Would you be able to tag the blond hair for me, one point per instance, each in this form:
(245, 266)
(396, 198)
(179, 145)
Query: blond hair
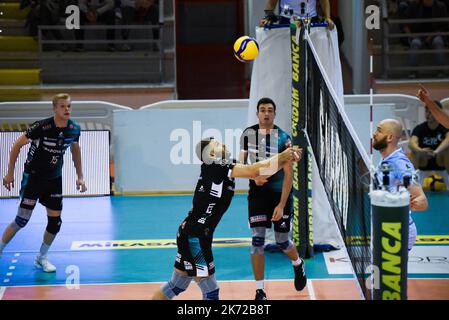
(60, 96)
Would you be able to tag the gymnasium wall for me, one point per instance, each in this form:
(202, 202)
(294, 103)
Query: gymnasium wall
(154, 147)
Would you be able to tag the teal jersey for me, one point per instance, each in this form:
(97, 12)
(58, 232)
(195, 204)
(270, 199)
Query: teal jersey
(260, 146)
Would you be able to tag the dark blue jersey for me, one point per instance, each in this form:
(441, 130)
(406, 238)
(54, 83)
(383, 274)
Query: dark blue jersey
(49, 143)
(259, 147)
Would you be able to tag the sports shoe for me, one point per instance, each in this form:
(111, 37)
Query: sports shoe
(260, 295)
(42, 262)
(300, 276)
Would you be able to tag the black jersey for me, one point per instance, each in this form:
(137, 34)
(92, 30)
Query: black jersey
(428, 138)
(213, 195)
(49, 143)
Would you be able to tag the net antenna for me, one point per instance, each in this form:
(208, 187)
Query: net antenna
(371, 103)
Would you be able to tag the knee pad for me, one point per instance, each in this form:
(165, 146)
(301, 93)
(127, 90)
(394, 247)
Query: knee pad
(258, 240)
(54, 225)
(177, 284)
(283, 241)
(22, 218)
(209, 287)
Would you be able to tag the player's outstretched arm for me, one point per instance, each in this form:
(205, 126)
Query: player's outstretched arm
(439, 115)
(267, 167)
(8, 180)
(76, 157)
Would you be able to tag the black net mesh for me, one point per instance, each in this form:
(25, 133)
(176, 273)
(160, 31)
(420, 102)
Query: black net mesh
(342, 169)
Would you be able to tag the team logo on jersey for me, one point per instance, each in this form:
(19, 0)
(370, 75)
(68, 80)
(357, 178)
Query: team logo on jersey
(201, 189)
(188, 265)
(216, 189)
(202, 220)
(283, 225)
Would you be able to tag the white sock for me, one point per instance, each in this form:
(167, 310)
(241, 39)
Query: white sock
(259, 284)
(2, 246)
(296, 262)
(44, 249)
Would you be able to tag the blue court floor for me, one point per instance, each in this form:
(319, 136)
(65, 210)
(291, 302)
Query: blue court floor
(130, 239)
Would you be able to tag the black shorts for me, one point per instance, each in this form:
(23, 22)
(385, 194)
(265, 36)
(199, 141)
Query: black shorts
(432, 165)
(49, 192)
(194, 255)
(261, 208)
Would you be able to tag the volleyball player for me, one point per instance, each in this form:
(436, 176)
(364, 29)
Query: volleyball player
(269, 200)
(42, 177)
(213, 194)
(385, 139)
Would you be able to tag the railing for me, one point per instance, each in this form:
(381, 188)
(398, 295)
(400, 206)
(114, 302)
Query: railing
(386, 52)
(407, 109)
(146, 42)
(91, 115)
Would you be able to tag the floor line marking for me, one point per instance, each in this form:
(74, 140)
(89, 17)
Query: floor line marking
(2, 292)
(311, 290)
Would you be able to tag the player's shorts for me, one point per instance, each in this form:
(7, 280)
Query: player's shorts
(49, 192)
(261, 208)
(194, 255)
(432, 165)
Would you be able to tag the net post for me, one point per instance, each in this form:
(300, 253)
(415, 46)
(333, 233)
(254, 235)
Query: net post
(302, 171)
(390, 231)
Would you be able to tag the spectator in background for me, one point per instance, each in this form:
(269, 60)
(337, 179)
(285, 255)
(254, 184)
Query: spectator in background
(425, 9)
(32, 20)
(46, 13)
(93, 12)
(139, 12)
(301, 9)
(50, 13)
(429, 144)
(437, 113)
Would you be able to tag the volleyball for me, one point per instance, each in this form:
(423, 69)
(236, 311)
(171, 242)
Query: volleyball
(434, 182)
(246, 49)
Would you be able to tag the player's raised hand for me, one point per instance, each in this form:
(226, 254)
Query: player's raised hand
(8, 181)
(423, 94)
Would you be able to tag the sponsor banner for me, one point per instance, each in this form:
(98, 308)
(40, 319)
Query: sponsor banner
(422, 260)
(429, 259)
(150, 244)
(424, 239)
